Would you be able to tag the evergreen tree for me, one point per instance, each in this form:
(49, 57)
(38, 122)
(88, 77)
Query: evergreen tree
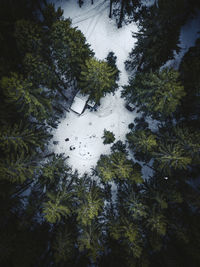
(172, 157)
(69, 49)
(90, 241)
(157, 223)
(22, 137)
(124, 10)
(29, 100)
(117, 166)
(157, 94)
(90, 206)
(189, 75)
(142, 141)
(154, 47)
(97, 78)
(17, 169)
(63, 246)
(108, 137)
(56, 207)
(111, 59)
(28, 37)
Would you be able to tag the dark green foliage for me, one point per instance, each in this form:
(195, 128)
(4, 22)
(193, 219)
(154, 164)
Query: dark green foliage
(50, 216)
(55, 207)
(97, 78)
(158, 36)
(69, 48)
(23, 138)
(111, 59)
(119, 146)
(28, 100)
(108, 137)
(157, 94)
(189, 75)
(125, 11)
(118, 167)
(17, 169)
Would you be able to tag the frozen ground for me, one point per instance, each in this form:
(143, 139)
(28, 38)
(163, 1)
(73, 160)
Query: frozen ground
(189, 34)
(85, 132)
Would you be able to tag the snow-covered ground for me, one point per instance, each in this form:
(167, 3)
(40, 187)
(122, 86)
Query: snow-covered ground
(188, 36)
(85, 132)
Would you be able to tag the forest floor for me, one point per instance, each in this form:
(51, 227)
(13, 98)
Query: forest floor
(85, 132)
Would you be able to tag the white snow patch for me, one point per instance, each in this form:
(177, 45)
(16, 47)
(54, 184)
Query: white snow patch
(85, 132)
(188, 36)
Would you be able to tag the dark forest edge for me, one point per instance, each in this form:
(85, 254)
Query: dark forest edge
(50, 216)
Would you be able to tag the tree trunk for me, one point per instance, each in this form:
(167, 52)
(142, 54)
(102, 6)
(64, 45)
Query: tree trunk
(121, 14)
(80, 3)
(110, 14)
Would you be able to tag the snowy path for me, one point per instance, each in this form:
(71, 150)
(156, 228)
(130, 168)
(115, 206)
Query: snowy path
(85, 131)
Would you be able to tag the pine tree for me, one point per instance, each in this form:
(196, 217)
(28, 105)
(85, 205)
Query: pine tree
(157, 223)
(188, 139)
(56, 207)
(56, 175)
(108, 137)
(124, 10)
(39, 72)
(22, 137)
(117, 166)
(28, 36)
(17, 169)
(158, 94)
(154, 47)
(63, 245)
(189, 75)
(111, 59)
(29, 100)
(51, 15)
(90, 241)
(97, 78)
(90, 206)
(172, 157)
(69, 49)
(142, 141)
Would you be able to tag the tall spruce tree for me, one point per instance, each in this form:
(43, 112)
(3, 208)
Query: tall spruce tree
(157, 94)
(29, 100)
(117, 166)
(97, 78)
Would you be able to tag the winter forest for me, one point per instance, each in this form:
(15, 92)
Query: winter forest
(99, 133)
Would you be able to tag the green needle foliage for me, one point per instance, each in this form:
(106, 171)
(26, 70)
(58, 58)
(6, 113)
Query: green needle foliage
(97, 78)
(21, 137)
(17, 169)
(142, 141)
(157, 94)
(69, 48)
(28, 36)
(157, 223)
(91, 205)
(117, 166)
(108, 137)
(172, 157)
(29, 100)
(90, 241)
(56, 207)
(63, 245)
